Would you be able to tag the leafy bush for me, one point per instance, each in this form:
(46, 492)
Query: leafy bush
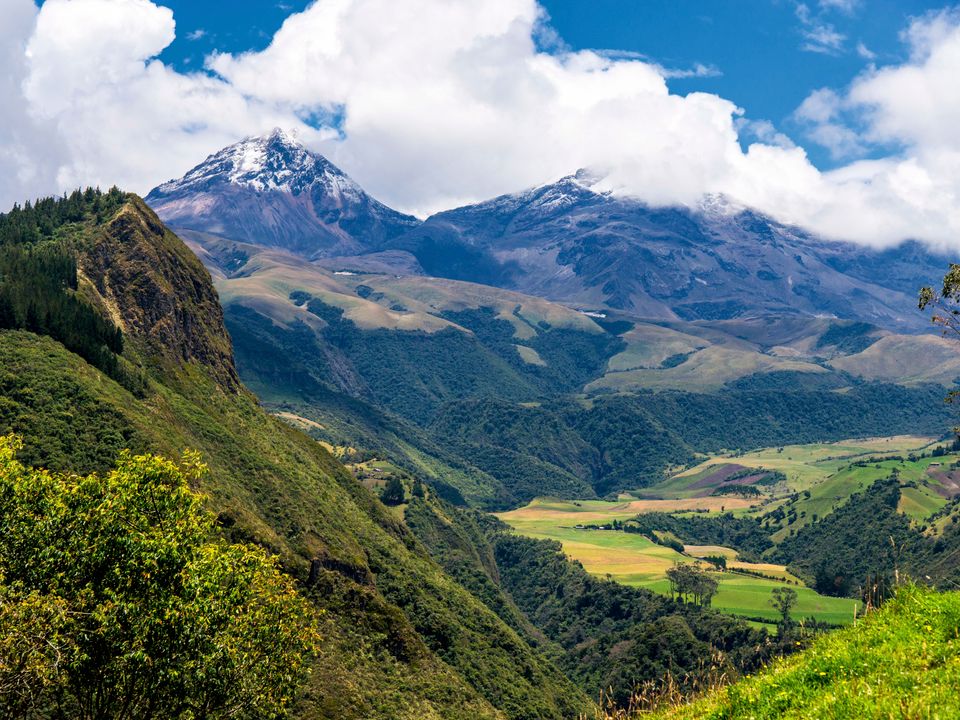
(120, 601)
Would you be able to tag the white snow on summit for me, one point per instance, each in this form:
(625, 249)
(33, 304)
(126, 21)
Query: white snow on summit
(275, 161)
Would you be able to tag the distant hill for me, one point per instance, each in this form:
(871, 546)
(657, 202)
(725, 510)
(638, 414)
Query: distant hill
(505, 396)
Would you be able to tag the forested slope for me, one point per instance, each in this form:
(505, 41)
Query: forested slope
(402, 638)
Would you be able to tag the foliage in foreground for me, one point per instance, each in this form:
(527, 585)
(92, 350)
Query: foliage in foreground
(117, 600)
(902, 661)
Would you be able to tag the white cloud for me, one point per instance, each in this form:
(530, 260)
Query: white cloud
(865, 52)
(763, 131)
(449, 101)
(823, 115)
(29, 149)
(699, 70)
(819, 36)
(845, 6)
(122, 116)
(917, 103)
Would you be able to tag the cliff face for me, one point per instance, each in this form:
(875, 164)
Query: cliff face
(159, 293)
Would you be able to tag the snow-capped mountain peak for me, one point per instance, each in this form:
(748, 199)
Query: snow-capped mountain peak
(272, 190)
(274, 161)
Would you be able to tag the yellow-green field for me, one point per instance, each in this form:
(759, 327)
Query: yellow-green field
(818, 478)
(634, 560)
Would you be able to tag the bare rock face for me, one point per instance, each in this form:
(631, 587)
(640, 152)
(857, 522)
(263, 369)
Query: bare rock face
(159, 293)
(272, 191)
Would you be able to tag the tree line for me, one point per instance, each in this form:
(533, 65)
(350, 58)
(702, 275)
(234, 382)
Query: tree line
(38, 276)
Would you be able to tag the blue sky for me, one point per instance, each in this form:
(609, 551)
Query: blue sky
(757, 53)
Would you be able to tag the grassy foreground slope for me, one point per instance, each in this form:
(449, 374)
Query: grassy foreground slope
(902, 661)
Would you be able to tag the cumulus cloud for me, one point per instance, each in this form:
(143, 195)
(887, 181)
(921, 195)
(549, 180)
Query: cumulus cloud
(90, 79)
(29, 149)
(823, 115)
(432, 103)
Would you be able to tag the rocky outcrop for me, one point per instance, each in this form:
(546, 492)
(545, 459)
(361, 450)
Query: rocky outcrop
(159, 293)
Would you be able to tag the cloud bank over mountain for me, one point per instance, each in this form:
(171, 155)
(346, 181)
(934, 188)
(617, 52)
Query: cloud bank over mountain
(434, 103)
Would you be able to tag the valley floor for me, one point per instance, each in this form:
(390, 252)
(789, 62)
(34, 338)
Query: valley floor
(634, 560)
(806, 481)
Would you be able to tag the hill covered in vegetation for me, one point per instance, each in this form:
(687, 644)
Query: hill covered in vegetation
(401, 637)
(899, 661)
(506, 396)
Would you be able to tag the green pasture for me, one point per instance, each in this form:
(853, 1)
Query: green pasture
(634, 560)
(804, 465)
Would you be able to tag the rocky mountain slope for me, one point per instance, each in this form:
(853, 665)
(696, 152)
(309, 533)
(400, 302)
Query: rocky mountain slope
(273, 191)
(571, 243)
(567, 241)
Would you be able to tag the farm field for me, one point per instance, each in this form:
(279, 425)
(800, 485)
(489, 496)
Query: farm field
(803, 465)
(805, 482)
(811, 481)
(634, 560)
(922, 493)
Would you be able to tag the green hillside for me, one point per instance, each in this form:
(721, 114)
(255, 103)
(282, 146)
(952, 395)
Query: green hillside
(902, 661)
(112, 337)
(402, 639)
(505, 396)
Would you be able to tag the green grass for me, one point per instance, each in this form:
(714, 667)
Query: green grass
(823, 475)
(918, 503)
(804, 465)
(902, 661)
(634, 560)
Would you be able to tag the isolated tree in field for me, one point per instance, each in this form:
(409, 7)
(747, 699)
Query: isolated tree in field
(783, 600)
(393, 493)
(690, 583)
(118, 600)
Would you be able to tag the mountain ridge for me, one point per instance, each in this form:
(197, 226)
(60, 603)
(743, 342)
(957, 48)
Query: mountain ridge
(402, 639)
(569, 241)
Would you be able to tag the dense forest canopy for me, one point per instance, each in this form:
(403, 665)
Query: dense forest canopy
(118, 599)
